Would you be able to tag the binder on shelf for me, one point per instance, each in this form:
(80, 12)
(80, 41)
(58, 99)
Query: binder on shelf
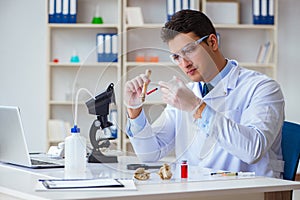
(51, 11)
(73, 11)
(185, 4)
(62, 11)
(58, 11)
(100, 47)
(270, 14)
(263, 11)
(177, 5)
(65, 11)
(107, 47)
(263, 14)
(256, 11)
(114, 44)
(170, 9)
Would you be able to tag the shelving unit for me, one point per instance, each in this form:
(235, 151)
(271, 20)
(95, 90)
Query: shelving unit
(235, 38)
(238, 41)
(234, 44)
(65, 78)
(144, 40)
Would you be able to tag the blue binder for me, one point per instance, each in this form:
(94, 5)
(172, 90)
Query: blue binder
(170, 9)
(65, 11)
(73, 11)
(51, 11)
(263, 11)
(100, 47)
(114, 47)
(256, 11)
(270, 13)
(58, 11)
(177, 5)
(107, 47)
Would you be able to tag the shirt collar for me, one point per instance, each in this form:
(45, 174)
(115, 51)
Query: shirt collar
(230, 64)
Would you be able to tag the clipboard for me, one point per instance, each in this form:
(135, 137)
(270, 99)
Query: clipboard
(80, 183)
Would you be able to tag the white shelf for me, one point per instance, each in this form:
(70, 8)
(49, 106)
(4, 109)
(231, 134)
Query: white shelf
(150, 63)
(245, 26)
(83, 26)
(144, 26)
(102, 64)
(226, 26)
(65, 103)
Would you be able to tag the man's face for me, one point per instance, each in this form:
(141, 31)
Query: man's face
(192, 58)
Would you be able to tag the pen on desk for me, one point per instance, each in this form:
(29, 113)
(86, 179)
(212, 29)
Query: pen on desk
(219, 173)
(151, 91)
(233, 173)
(143, 94)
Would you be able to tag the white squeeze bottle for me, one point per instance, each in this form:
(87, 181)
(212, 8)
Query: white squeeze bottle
(75, 154)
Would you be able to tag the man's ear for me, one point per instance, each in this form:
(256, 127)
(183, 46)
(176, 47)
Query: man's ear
(213, 41)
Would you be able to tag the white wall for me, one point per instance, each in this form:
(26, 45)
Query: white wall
(23, 65)
(289, 69)
(23, 62)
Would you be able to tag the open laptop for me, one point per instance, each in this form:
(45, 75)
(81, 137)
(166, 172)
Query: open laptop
(13, 146)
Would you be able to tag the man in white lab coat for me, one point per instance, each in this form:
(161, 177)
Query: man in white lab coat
(234, 127)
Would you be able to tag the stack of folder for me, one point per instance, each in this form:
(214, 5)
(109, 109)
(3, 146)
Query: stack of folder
(62, 11)
(263, 11)
(107, 47)
(177, 5)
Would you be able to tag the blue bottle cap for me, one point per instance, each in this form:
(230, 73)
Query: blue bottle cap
(75, 129)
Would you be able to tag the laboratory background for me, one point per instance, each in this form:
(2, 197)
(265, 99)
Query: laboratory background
(24, 79)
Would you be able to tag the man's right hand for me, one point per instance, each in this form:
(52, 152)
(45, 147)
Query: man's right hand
(132, 93)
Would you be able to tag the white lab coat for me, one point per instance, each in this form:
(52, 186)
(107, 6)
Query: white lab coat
(240, 129)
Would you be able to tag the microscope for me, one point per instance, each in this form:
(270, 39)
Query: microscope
(99, 106)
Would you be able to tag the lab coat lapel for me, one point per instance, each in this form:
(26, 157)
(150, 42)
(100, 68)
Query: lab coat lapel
(225, 85)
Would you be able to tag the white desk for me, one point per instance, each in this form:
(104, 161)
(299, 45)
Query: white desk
(19, 183)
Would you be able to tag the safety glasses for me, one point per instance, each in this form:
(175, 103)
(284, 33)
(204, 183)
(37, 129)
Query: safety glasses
(187, 51)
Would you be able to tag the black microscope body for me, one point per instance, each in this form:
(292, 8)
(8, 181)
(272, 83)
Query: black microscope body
(99, 106)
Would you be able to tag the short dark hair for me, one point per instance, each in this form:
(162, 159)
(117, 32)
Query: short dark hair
(186, 21)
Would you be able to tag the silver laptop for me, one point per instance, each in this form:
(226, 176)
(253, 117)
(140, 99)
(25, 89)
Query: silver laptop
(13, 146)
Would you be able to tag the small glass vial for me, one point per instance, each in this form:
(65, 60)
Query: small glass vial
(184, 170)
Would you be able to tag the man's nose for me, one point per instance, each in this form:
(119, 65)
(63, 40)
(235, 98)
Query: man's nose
(185, 62)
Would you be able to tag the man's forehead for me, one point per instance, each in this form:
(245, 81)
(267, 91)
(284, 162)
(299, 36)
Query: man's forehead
(181, 40)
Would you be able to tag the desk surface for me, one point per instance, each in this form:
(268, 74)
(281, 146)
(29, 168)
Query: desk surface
(19, 183)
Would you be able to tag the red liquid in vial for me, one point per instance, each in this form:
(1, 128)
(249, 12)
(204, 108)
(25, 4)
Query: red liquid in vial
(184, 169)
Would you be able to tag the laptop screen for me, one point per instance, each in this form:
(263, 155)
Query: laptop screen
(13, 147)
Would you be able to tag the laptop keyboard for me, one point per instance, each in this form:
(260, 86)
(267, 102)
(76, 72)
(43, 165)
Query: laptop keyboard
(38, 162)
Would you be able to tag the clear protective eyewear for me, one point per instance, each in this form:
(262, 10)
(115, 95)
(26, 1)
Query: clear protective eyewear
(187, 51)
